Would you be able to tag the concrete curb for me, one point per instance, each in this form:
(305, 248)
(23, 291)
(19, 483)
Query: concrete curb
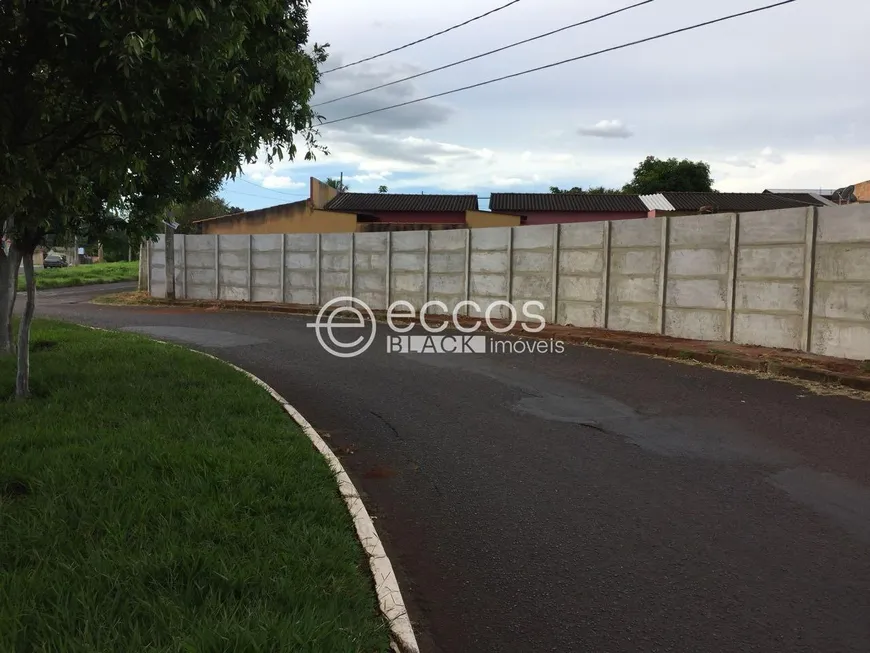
(390, 599)
(725, 360)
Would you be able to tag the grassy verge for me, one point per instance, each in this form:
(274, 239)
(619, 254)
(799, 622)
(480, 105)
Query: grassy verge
(83, 275)
(153, 499)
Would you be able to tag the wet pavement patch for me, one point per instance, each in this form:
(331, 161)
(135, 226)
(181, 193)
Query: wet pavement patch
(844, 501)
(193, 336)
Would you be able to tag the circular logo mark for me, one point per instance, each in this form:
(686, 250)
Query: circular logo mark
(344, 308)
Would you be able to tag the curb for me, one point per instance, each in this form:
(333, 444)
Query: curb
(389, 595)
(725, 360)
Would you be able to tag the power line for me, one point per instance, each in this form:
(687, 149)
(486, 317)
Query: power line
(486, 54)
(431, 36)
(238, 192)
(273, 190)
(558, 63)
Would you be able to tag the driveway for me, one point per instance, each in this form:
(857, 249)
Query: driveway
(586, 501)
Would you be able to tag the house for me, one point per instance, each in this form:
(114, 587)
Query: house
(328, 211)
(847, 195)
(303, 216)
(695, 203)
(820, 197)
(550, 208)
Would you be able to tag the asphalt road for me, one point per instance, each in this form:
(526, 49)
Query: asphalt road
(585, 501)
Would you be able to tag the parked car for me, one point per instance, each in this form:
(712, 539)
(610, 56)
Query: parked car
(54, 261)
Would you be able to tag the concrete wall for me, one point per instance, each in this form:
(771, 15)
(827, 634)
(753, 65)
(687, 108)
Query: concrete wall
(793, 278)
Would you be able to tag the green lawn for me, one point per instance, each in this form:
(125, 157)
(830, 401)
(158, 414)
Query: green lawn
(155, 500)
(82, 275)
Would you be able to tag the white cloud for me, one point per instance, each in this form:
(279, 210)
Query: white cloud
(606, 129)
(276, 181)
(690, 96)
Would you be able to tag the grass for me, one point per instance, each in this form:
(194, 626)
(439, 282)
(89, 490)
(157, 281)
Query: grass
(155, 500)
(83, 275)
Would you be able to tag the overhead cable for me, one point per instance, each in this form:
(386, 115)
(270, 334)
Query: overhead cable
(559, 63)
(418, 41)
(485, 54)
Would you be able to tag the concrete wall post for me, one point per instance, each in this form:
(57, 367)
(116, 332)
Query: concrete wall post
(467, 271)
(605, 274)
(731, 290)
(663, 272)
(510, 266)
(554, 290)
(426, 247)
(809, 277)
(282, 276)
(169, 262)
(317, 266)
(389, 266)
(183, 266)
(217, 266)
(350, 264)
(250, 267)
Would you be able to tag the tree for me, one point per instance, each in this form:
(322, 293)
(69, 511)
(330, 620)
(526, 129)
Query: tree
(137, 105)
(383, 189)
(654, 175)
(212, 206)
(558, 191)
(601, 190)
(337, 184)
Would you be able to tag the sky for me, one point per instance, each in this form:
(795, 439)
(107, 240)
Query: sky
(776, 99)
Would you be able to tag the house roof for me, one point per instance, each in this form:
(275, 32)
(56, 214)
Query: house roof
(726, 202)
(581, 202)
(809, 199)
(362, 202)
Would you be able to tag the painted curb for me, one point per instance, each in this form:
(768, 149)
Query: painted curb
(389, 595)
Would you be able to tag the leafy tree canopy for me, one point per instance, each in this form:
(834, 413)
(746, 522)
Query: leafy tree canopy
(338, 185)
(558, 191)
(654, 175)
(111, 109)
(383, 189)
(212, 206)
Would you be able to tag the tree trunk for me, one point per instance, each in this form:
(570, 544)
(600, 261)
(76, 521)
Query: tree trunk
(9, 264)
(22, 382)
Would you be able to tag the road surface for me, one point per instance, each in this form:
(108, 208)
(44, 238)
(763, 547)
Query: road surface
(586, 501)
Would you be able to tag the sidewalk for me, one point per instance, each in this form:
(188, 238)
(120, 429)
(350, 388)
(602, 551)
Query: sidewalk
(780, 362)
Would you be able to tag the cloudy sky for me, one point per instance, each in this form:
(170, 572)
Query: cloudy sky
(772, 100)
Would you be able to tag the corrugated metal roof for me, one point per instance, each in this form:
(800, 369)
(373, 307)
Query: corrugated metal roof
(580, 202)
(361, 202)
(657, 202)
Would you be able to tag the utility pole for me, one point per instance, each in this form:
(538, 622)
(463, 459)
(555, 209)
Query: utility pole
(341, 182)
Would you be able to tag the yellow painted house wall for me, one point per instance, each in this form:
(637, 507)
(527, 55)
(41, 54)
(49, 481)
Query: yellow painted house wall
(481, 219)
(295, 218)
(862, 191)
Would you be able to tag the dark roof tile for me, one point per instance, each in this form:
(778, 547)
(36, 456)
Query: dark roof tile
(580, 202)
(726, 202)
(362, 202)
(802, 198)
